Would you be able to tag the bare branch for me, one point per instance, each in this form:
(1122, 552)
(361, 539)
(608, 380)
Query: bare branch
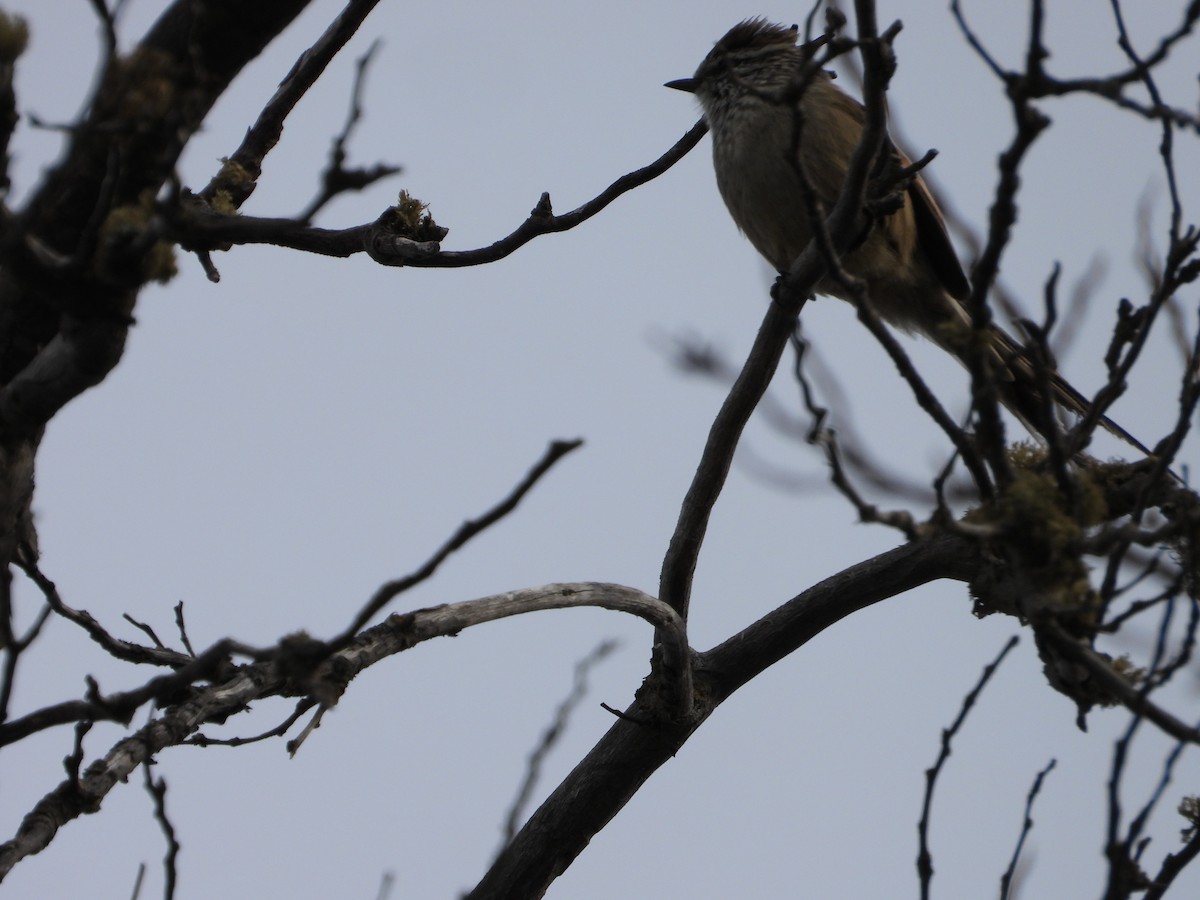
(157, 789)
(18, 39)
(68, 244)
(119, 707)
(336, 178)
(195, 225)
(146, 629)
(159, 655)
(203, 740)
(239, 175)
(182, 626)
(675, 581)
(1111, 682)
(108, 26)
(1173, 864)
(551, 735)
(392, 589)
(643, 738)
(963, 443)
(399, 632)
(12, 648)
(313, 724)
(1006, 880)
(814, 376)
(924, 857)
(826, 438)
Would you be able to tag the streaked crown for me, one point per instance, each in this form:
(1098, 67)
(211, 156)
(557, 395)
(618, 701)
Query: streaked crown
(754, 52)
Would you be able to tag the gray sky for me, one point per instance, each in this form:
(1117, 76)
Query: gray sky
(273, 447)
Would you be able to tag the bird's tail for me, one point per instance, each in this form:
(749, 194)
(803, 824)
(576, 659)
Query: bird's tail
(1020, 387)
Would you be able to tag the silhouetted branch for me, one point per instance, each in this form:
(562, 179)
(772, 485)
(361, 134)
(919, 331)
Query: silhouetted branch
(924, 857)
(826, 438)
(277, 675)
(1111, 682)
(1174, 863)
(195, 225)
(159, 655)
(157, 789)
(119, 707)
(644, 738)
(12, 650)
(1006, 879)
(239, 174)
(675, 581)
(469, 529)
(336, 178)
(302, 706)
(551, 735)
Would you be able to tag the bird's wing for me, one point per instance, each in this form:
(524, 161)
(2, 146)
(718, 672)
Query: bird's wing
(933, 239)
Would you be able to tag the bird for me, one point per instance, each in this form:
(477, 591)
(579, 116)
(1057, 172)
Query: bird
(914, 279)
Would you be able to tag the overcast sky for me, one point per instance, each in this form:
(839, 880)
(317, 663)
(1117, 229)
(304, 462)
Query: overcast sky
(273, 447)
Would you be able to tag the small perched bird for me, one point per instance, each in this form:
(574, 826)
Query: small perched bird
(913, 277)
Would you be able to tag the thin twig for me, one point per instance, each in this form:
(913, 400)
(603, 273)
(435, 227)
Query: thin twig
(1172, 865)
(1006, 879)
(182, 626)
(84, 792)
(550, 737)
(146, 629)
(469, 529)
(12, 654)
(200, 739)
(157, 789)
(118, 707)
(313, 724)
(966, 447)
(827, 440)
(924, 857)
(336, 178)
(108, 28)
(123, 650)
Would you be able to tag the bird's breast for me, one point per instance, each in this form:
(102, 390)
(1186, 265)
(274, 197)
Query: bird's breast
(758, 181)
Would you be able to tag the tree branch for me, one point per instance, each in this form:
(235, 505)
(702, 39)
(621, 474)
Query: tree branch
(392, 589)
(643, 739)
(278, 676)
(239, 174)
(194, 225)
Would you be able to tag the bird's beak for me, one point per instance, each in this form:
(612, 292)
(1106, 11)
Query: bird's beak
(682, 84)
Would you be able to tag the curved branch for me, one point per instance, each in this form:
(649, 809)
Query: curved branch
(197, 226)
(280, 677)
(642, 739)
(675, 580)
(542, 220)
(400, 631)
